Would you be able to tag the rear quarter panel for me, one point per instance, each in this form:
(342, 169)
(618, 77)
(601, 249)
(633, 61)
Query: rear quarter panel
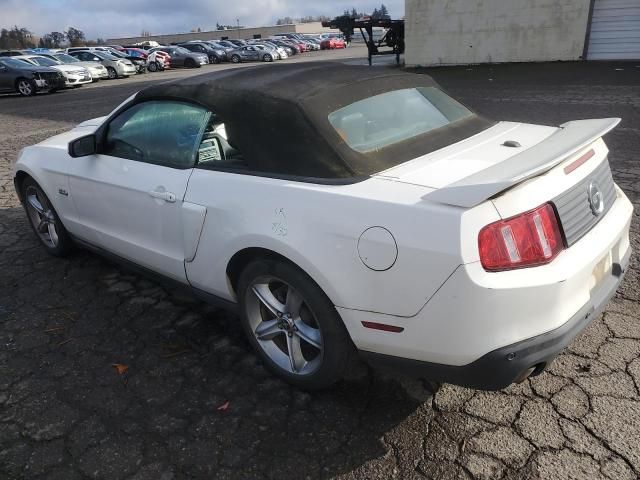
(318, 226)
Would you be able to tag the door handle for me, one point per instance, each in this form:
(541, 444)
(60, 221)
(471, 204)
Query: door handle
(166, 196)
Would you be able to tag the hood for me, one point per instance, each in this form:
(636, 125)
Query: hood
(94, 122)
(90, 65)
(68, 68)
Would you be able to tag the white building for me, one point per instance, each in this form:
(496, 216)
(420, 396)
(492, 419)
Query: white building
(480, 31)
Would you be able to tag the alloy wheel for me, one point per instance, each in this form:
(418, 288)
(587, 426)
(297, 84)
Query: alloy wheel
(41, 216)
(112, 73)
(25, 88)
(284, 326)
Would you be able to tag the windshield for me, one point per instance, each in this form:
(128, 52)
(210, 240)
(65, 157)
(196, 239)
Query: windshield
(389, 118)
(64, 58)
(11, 62)
(117, 54)
(44, 61)
(181, 51)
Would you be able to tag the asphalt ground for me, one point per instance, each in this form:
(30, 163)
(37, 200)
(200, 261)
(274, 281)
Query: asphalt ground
(188, 398)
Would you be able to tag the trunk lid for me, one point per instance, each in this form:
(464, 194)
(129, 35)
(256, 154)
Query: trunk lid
(469, 172)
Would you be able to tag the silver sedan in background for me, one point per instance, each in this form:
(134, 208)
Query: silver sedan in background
(97, 70)
(116, 67)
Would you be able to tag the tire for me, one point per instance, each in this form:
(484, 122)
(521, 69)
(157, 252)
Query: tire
(26, 87)
(267, 58)
(189, 63)
(44, 220)
(54, 90)
(308, 324)
(112, 73)
(152, 67)
(215, 60)
(236, 58)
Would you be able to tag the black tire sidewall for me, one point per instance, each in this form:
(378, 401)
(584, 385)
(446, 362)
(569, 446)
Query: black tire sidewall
(337, 346)
(65, 244)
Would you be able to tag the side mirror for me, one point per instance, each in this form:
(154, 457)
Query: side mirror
(83, 146)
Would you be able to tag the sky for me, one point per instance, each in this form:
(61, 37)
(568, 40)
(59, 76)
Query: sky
(121, 18)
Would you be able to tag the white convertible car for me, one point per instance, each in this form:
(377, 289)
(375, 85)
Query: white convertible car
(342, 209)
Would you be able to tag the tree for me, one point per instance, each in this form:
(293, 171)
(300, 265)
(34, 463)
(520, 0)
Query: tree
(375, 15)
(383, 12)
(45, 41)
(57, 38)
(75, 37)
(17, 37)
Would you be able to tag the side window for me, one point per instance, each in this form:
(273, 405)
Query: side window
(216, 148)
(159, 132)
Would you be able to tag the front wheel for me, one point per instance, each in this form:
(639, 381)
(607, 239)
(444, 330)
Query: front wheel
(112, 73)
(267, 58)
(26, 88)
(215, 60)
(44, 220)
(292, 324)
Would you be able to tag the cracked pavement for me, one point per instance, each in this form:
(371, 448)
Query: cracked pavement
(66, 412)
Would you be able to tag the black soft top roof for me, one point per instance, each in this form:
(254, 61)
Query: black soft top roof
(277, 116)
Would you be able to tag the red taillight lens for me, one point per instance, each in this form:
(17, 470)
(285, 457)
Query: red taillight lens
(532, 238)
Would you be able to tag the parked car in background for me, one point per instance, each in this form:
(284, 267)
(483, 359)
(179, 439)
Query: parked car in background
(96, 70)
(74, 75)
(228, 44)
(116, 67)
(251, 53)
(332, 43)
(290, 49)
(27, 79)
(135, 52)
(215, 55)
(268, 49)
(219, 46)
(181, 57)
(139, 62)
(237, 42)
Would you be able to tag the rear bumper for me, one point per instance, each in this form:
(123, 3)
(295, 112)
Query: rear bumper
(503, 366)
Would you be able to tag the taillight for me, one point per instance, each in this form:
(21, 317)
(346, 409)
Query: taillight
(529, 239)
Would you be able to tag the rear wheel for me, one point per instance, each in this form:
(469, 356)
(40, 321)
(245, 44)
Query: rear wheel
(267, 58)
(112, 73)
(26, 87)
(190, 63)
(235, 58)
(215, 60)
(292, 324)
(44, 220)
(152, 67)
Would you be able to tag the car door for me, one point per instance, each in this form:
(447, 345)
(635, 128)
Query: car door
(129, 196)
(252, 53)
(6, 78)
(177, 58)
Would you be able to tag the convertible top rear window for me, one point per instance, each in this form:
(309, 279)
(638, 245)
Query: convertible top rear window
(382, 120)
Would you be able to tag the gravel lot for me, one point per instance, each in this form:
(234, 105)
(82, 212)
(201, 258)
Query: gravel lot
(66, 412)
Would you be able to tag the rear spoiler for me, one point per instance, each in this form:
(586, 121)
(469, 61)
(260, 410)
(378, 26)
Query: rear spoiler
(570, 138)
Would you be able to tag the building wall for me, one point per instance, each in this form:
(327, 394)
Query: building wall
(244, 33)
(480, 31)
